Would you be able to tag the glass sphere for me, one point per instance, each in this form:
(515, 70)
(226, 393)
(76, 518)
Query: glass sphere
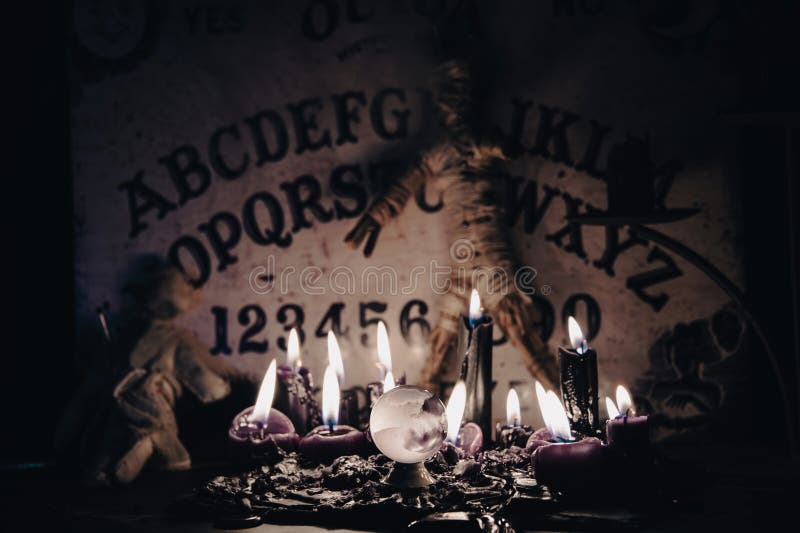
(408, 424)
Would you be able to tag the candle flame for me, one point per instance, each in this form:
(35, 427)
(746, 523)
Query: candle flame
(611, 407)
(384, 352)
(388, 382)
(513, 415)
(624, 402)
(455, 411)
(576, 338)
(541, 397)
(265, 395)
(475, 306)
(293, 350)
(335, 357)
(558, 417)
(330, 397)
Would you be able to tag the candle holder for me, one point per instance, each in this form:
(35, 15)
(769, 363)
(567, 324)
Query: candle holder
(252, 443)
(507, 436)
(409, 476)
(408, 425)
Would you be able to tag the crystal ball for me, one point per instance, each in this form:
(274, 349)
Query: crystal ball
(408, 424)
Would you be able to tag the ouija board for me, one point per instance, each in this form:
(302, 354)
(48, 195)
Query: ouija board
(241, 141)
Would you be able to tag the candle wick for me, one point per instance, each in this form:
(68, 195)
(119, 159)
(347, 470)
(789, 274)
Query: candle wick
(330, 426)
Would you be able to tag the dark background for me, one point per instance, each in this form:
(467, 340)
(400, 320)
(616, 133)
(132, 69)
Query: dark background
(39, 320)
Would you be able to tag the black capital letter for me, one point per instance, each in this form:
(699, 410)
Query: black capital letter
(573, 231)
(298, 206)
(401, 116)
(639, 282)
(351, 189)
(587, 164)
(222, 245)
(549, 133)
(281, 137)
(527, 203)
(614, 249)
(347, 115)
(180, 172)
(305, 123)
(222, 169)
(151, 200)
(253, 229)
(198, 254)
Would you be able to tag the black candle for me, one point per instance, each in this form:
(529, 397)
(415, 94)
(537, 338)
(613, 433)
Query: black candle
(475, 344)
(579, 382)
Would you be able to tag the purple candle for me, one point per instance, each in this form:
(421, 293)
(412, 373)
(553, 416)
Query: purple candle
(329, 441)
(257, 433)
(375, 389)
(347, 398)
(467, 438)
(558, 461)
(571, 466)
(294, 395)
(626, 433)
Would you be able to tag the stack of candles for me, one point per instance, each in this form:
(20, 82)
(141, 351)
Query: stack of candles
(565, 454)
(563, 460)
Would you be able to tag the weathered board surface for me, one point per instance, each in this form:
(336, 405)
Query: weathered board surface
(206, 130)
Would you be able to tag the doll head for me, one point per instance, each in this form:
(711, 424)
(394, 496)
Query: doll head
(160, 291)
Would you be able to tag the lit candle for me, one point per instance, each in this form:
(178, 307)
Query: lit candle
(513, 433)
(579, 382)
(257, 432)
(375, 389)
(348, 401)
(475, 313)
(560, 462)
(331, 440)
(460, 440)
(475, 346)
(627, 433)
(295, 396)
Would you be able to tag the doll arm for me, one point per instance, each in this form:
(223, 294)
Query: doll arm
(383, 209)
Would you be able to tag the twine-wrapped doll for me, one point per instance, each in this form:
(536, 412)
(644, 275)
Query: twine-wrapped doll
(123, 415)
(465, 166)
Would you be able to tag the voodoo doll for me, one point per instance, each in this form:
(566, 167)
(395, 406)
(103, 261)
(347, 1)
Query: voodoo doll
(466, 165)
(124, 415)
